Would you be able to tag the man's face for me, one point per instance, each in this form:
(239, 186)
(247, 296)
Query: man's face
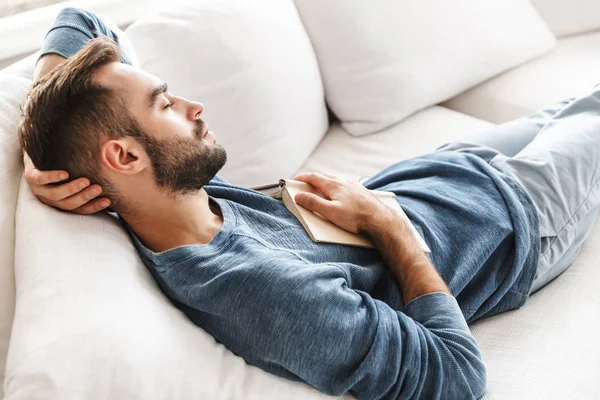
(183, 152)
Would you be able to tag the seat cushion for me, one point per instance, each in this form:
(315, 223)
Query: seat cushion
(353, 157)
(572, 68)
(549, 348)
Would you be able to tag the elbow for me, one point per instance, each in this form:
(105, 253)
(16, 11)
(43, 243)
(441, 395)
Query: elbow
(460, 368)
(471, 375)
(70, 10)
(477, 379)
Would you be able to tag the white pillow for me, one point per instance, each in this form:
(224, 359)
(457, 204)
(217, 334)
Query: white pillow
(383, 62)
(15, 82)
(124, 43)
(569, 17)
(252, 66)
(92, 324)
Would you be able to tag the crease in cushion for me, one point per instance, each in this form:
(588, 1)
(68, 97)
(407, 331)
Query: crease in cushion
(15, 82)
(252, 66)
(568, 71)
(382, 64)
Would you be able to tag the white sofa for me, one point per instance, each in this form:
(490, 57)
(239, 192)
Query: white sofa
(89, 322)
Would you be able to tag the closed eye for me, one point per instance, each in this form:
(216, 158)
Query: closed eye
(170, 104)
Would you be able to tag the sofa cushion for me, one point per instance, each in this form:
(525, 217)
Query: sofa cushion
(382, 63)
(569, 17)
(548, 349)
(252, 66)
(572, 68)
(354, 157)
(15, 82)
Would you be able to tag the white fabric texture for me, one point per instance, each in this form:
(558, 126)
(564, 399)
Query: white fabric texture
(570, 70)
(382, 63)
(569, 17)
(15, 82)
(549, 349)
(252, 66)
(92, 324)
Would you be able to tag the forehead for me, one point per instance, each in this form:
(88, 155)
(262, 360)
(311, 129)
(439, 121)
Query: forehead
(133, 82)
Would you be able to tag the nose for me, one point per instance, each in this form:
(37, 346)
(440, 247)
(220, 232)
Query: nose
(194, 110)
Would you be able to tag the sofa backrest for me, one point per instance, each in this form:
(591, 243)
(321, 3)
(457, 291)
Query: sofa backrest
(15, 82)
(569, 17)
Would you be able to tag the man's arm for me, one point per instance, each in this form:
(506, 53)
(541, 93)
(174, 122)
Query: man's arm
(413, 272)
(440, 356)
(71, 31)
(46, 63)
(354, 209)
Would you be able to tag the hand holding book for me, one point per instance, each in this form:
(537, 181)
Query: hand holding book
(347, 204)
(333, 210)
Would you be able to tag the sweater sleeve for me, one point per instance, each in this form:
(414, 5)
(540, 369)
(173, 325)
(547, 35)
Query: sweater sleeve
(71, 31)
(304, 321)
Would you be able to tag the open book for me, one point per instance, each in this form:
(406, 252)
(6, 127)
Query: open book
(321, 230)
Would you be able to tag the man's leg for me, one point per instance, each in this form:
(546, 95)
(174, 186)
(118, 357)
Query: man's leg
(508, 138)
(511, 137)
(560, 169)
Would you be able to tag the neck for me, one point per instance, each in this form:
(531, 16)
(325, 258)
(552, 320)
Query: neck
(165, 223)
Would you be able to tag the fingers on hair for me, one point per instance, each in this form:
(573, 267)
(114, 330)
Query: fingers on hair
(52, 95)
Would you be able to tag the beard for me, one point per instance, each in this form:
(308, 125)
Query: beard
(184, 165)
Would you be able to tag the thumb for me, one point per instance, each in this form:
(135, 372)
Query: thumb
(312, 202)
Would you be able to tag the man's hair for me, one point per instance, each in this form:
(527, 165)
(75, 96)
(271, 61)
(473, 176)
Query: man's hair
(68, 114)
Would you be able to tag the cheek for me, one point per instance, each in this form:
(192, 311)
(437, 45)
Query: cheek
(171, 126)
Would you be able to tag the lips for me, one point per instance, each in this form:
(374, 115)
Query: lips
(205, 131)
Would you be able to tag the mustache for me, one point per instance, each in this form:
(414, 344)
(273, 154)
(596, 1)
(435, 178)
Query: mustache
(199, 128)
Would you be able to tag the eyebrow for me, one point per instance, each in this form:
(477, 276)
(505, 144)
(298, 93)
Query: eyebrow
(155, 93)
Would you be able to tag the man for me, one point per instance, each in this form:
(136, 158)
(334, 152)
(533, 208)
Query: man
(502, 218)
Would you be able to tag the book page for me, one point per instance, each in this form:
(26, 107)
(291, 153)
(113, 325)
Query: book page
(319, 228)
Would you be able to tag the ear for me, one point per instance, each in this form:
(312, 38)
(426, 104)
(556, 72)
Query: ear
(124, 156)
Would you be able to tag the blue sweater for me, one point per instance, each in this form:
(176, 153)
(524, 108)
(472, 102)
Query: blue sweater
(331, 315)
